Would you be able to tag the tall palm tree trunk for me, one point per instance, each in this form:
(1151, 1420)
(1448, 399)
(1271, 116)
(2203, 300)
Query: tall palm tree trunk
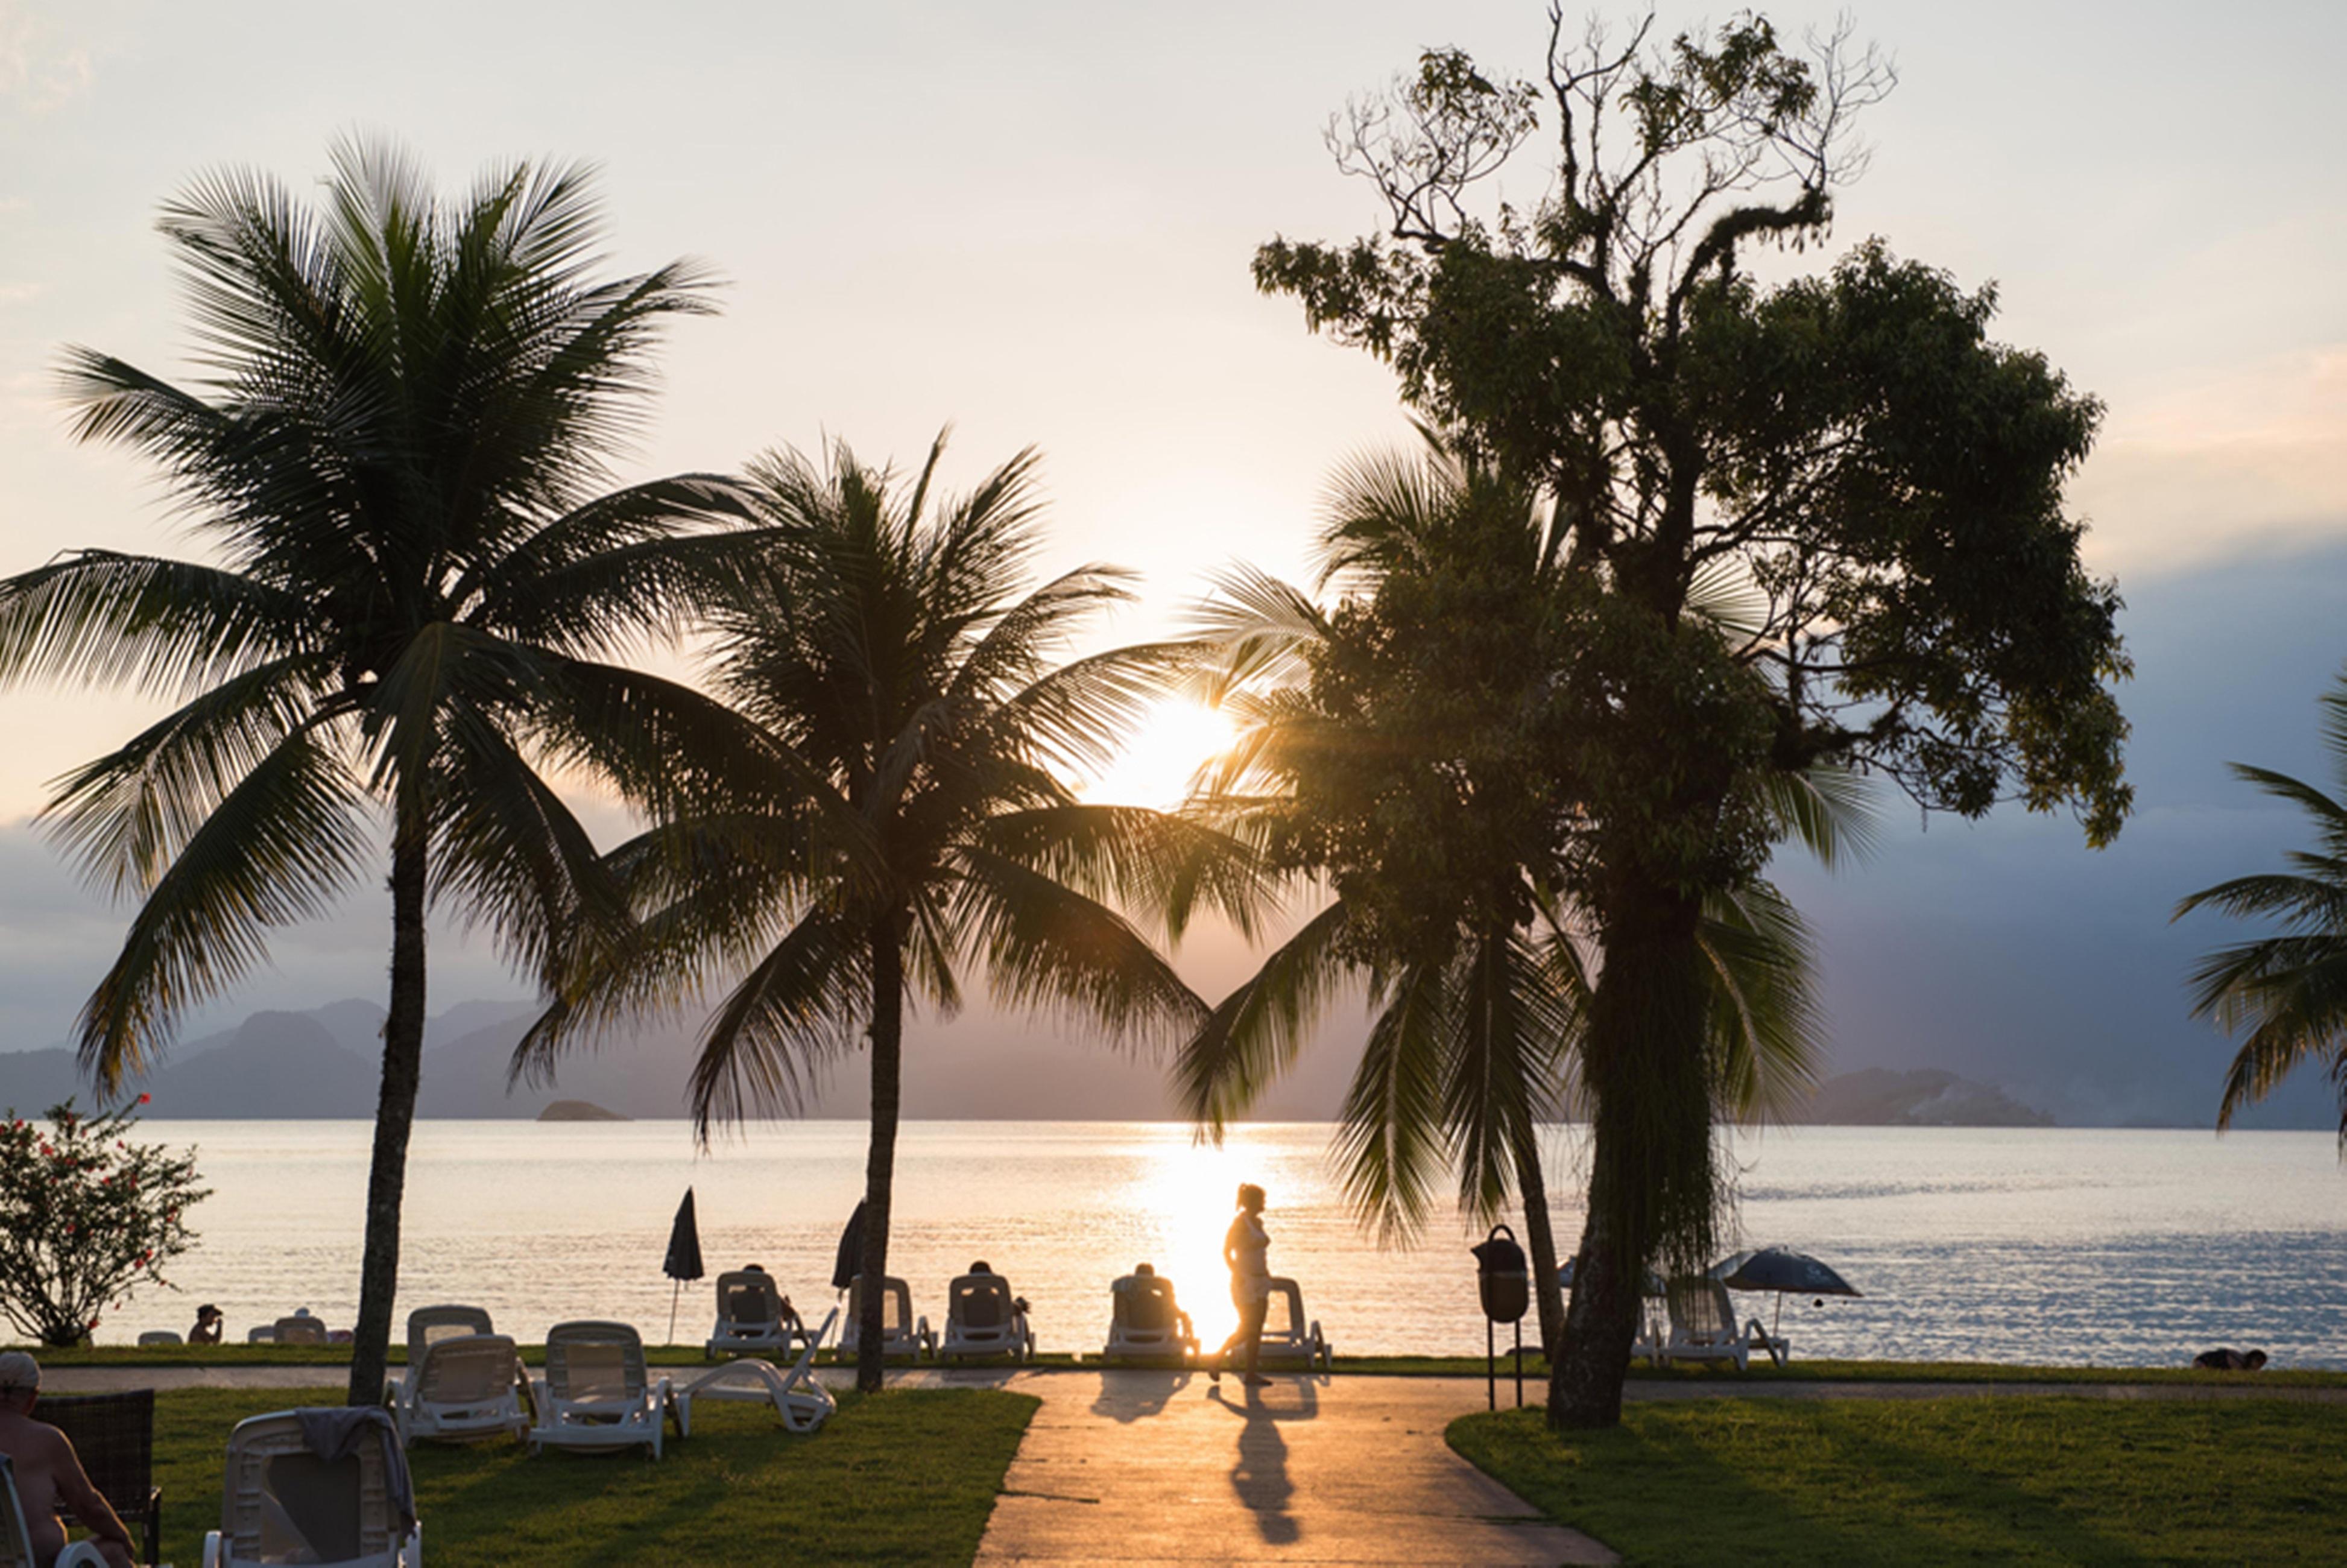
(395, 1115)
(880, 1161)
(1541, 1235)
(1651, 1179)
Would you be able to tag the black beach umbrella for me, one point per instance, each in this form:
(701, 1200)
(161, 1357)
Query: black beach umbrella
(850, 1262)
(1784, 1271)
(683, 1260)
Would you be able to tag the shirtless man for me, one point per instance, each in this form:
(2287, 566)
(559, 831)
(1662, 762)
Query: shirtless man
(48, 1474)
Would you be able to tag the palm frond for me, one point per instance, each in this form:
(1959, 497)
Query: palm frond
(1138, 858)
(125, 816)
(1392, 1144)
(1048, 947)
(1255, 1033)
(794, 1013)
(278, 848)
(166, 627)
(1767, 1027)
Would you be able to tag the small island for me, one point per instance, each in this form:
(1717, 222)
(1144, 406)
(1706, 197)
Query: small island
(580, 1110)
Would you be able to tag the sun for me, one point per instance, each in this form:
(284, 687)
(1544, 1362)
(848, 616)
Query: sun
(1164, 752)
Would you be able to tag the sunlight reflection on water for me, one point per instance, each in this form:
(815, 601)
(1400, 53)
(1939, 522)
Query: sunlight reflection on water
(2007, 1245)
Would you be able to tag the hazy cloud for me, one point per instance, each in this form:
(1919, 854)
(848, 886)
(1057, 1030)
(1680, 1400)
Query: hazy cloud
(2258, 451)
(38, 71)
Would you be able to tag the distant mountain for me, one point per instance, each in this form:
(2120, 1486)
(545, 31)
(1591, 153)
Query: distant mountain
(279, 1064)
(1878, 1097)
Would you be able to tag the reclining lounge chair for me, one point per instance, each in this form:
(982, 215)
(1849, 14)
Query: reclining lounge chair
(903, 1336)
(752, 1316)
(427, 1326)
(802, 1402)
(1286, 1341)
(327, 1487)
(984, 1318)
(1703, 1328)
(596, 1394)
(464, 1388)
(1145, 1323)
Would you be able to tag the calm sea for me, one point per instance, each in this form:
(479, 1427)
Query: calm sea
(2101, 1247)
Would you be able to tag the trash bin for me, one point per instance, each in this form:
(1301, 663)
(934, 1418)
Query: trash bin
(1500, 1273)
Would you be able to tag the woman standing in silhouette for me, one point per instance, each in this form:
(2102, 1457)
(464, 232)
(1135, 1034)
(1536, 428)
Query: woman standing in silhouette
(1246, 1248)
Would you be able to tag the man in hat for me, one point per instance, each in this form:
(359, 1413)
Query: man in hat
(207, 1330)
(49, 1477)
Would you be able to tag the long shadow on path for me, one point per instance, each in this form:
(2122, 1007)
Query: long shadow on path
(1260, 1477)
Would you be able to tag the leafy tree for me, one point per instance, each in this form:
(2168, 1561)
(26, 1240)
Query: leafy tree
(85, 1217)
(398, 460)
(2286, 995)
(899, 810)
(1413, 748)
(1848, 446)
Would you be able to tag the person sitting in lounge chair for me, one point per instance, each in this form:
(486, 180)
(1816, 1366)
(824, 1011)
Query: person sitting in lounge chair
(49, 1477)
(207, 1330)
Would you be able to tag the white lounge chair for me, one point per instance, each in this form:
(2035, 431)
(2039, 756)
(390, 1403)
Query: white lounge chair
(427, 1326)
(161, 1337)
(281, 1501)
(16, 1532)
(802, 1402)
(903, 1336)
(261, 1334)
(299, 1329)
(464, 1387)
(1286, 1341)
(984, 1318)
(1145, 1323)
(1703, 1329)
(751, 1316)
(596, 1394)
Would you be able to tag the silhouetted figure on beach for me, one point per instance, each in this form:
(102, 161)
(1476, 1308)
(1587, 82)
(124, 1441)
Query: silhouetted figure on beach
(2229, 1360)
(1246, 1249)
(207, 1330)
(49, 1477)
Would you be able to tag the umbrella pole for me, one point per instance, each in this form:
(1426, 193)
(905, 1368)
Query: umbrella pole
(673, 1297)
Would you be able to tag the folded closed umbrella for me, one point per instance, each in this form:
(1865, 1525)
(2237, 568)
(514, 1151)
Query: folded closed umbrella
(683, 1259)
(850, 1261)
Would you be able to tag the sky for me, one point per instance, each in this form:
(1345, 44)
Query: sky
(1033, 221)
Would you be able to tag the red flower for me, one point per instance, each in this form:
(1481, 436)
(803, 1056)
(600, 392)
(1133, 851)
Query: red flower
(144, 1098)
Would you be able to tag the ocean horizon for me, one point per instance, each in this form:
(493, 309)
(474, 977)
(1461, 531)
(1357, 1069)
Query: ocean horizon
(2090, 1245)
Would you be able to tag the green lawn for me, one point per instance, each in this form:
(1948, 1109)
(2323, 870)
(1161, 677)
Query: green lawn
(1855, 1481)
(909, 1477)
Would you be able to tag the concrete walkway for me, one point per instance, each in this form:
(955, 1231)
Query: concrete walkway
(1134, 1467)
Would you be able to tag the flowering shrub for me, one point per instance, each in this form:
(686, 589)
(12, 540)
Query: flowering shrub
(85, 1217)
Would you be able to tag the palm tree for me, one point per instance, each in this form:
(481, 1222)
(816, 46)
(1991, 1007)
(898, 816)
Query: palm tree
(397, 462)
(1384, 747)
(2288, 992)
(906, 811)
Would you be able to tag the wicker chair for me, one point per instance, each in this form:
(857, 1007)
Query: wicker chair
(114, 1434)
